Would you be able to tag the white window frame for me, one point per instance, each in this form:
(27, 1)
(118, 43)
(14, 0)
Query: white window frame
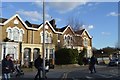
(66, 39)
(11, 35)
(21, 35)
(47, 37)
(85, 42)
(16, 33)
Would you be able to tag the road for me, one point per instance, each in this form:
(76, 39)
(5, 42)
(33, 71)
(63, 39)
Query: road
(76, 73)
(82, 72)
(111, 73)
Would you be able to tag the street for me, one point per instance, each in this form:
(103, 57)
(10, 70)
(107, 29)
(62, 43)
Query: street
(76, 73)
(81, 72)
(102, 73)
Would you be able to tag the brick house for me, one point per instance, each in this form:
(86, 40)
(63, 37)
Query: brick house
(23, 40)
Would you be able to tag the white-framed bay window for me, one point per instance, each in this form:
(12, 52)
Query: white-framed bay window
(21, 32)
(85, 42)
(9, 31)
(15, 33)
(48, 37)
(68, 39)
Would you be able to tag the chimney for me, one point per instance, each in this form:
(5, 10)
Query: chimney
(52, 22)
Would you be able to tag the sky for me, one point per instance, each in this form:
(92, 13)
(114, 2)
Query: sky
(99, 18)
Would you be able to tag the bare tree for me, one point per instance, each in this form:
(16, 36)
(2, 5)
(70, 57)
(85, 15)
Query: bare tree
(75, 23)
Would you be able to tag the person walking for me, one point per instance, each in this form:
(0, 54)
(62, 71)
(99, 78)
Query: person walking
(38, 65)
(92, 63)
(7, 67)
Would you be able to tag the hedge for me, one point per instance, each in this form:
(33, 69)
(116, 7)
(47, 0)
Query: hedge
(66, 56)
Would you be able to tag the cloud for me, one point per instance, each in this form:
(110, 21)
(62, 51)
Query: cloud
(38, 3)
(90, 4)
(88, 27)
(113, 14)
(63, 7)
(57, 19)
(105, 33)
(33, 15)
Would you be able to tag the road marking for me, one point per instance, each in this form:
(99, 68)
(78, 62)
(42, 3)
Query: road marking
(88, 77)
(64, 76)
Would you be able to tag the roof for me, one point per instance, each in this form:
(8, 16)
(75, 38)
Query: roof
(62, 29)
(32, 25)
(2, 20)
(35, 25)
(79, 31)
(52, 22)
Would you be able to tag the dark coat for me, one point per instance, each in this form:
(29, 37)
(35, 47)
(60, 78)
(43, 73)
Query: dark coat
(9, 64)
(93, 61)
(38, 63)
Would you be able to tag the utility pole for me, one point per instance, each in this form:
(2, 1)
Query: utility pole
(44, 40)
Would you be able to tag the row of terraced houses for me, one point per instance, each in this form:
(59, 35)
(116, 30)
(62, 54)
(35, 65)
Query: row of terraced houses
(23, 40)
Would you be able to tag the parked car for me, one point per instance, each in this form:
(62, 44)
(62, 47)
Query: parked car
(114, 62)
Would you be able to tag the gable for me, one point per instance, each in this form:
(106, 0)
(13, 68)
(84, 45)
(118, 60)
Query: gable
(15, 22)
(68, 31)
(48, 28)
(85, 34)
(13, 17)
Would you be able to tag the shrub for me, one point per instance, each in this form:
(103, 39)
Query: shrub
(66, 56)
(81, 56)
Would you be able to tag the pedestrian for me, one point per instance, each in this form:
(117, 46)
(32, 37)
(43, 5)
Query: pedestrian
(38, 65)
(7, 67)
(18, 72)
(92, 63)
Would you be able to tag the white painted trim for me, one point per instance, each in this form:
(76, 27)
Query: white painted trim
(77, 35)
(22, 30)
(16, 15)
(8, 33)
(8, 29)
(1, 24)
(67, 28)
(87, 33)
(50, 27)
(83, 32)
(16, 28)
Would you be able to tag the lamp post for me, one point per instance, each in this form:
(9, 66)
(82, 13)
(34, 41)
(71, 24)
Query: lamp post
(43, 39)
